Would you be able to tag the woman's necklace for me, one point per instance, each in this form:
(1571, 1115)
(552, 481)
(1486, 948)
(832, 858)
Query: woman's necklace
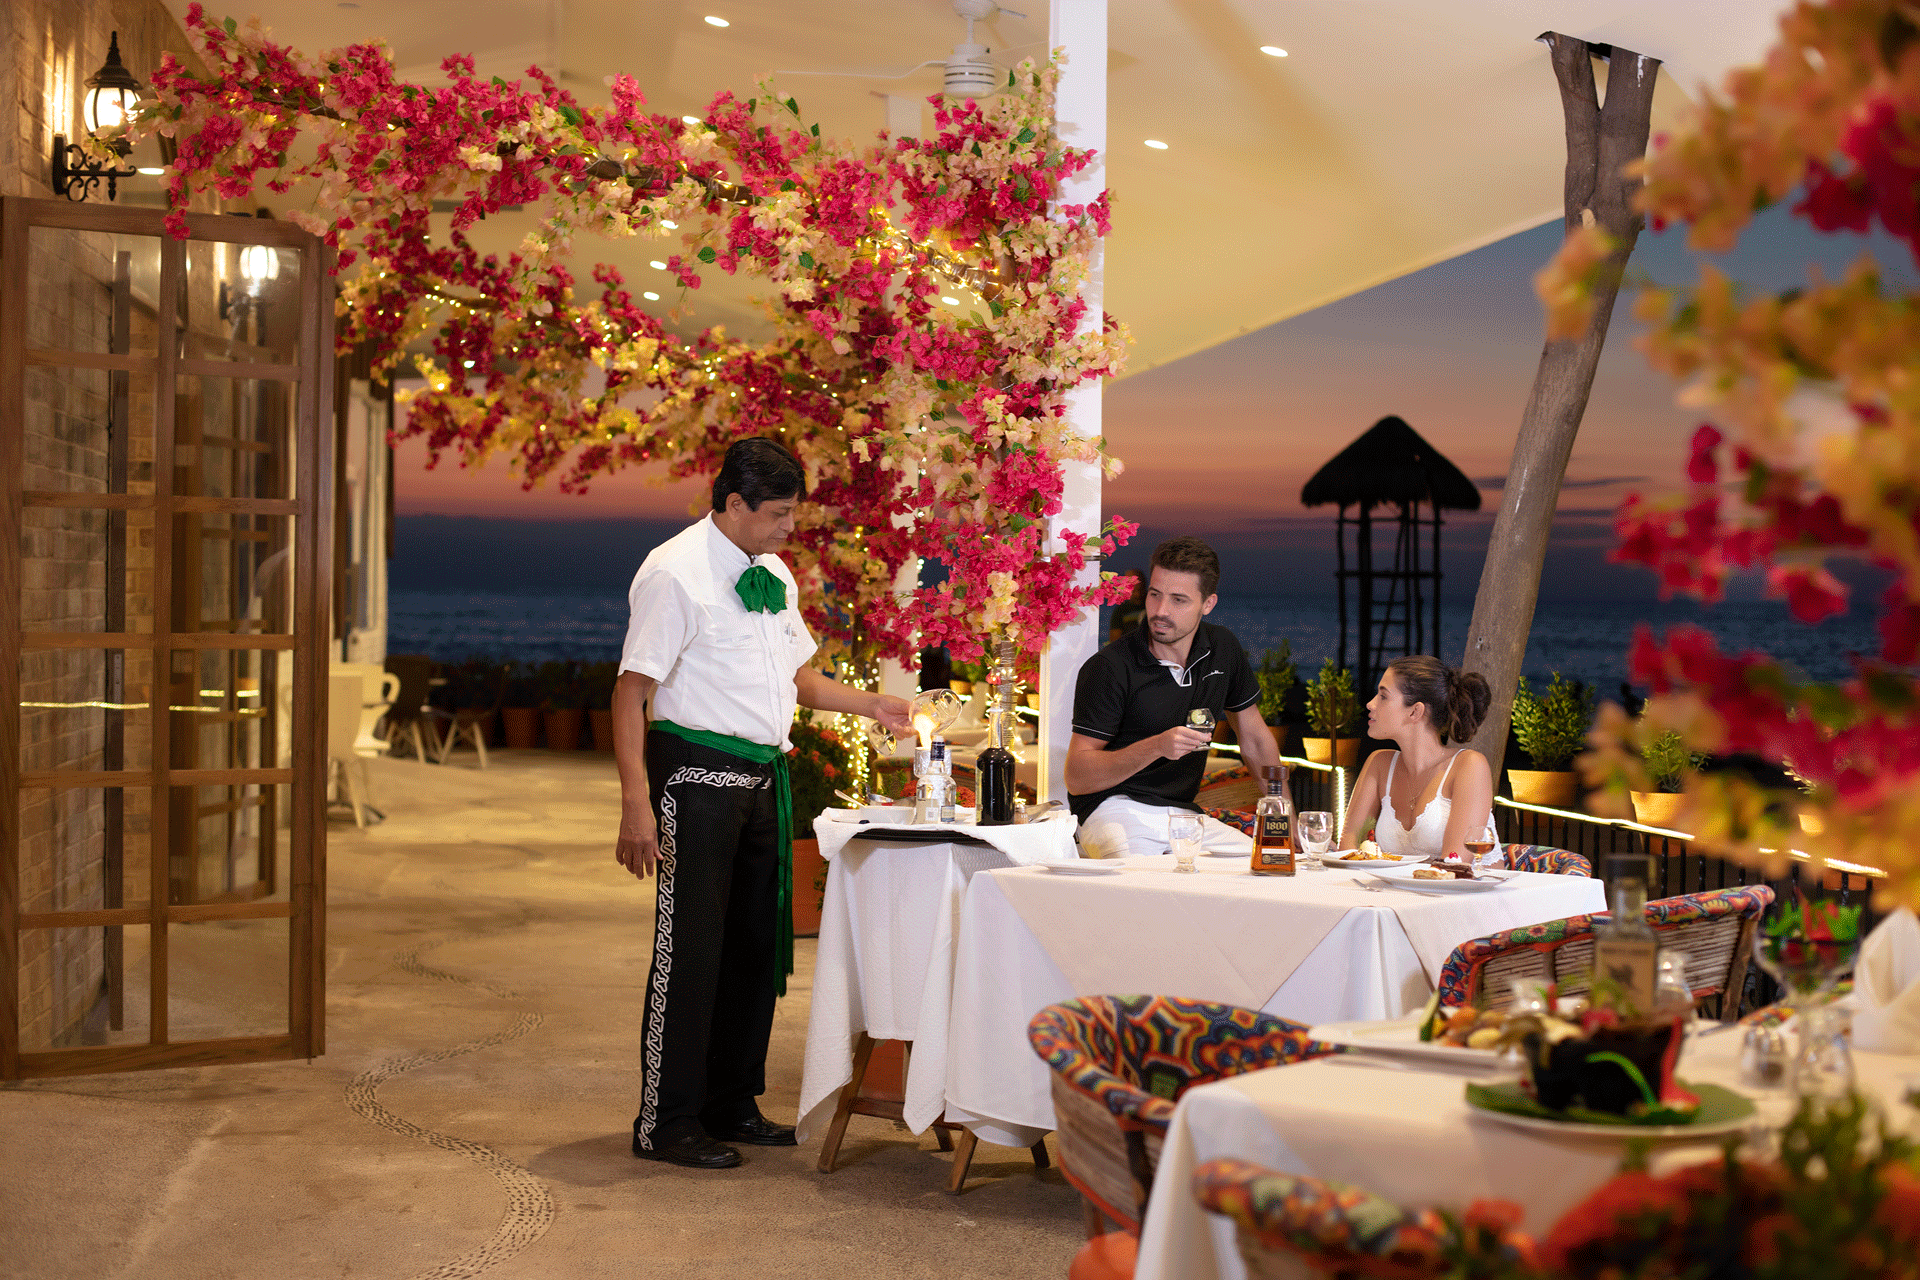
(1423, 777)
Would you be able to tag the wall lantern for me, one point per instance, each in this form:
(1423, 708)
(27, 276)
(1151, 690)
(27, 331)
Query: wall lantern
(259, 263)
(113, 96)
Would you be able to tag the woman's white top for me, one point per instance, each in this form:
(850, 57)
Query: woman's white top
(1429, 831)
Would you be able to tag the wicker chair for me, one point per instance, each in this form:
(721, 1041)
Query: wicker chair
(1714, 931)
(1281, 1220)
(1120, 1062)
(1234, 788)
(1547, 860)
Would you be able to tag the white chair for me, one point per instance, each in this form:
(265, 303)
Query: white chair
(358, 694)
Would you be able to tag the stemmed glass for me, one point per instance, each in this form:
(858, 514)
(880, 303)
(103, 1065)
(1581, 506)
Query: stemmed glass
(940, 706)
(1183, 836)
(1316, 837)
(1807, 969)
(1201, 720)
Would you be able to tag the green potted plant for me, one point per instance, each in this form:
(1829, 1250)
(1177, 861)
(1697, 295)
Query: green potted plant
(561, 704)
(1277, 677)
(963, 676)
(597, 680)
(520, 708)
(1667, 760)
(1333, 711)
(1552, 729)
(820, 762)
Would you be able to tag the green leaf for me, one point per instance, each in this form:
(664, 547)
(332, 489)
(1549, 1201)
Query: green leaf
(976, 149)
(1019, 523)
(996, 308)
(231, 26)
(943, 384)
(816, 130)
(499, 83)
(707, 254)
(793, 106)
(806, 259)
(788, 184)
(569, 114)
(1025, 135)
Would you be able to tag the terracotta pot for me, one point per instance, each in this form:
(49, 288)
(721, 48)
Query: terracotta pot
(1552, 789)
(806, 899)
(522, 726)
(563, 728)
(962, 687)
(601, 718)
(1657, 808)
(1320, 751)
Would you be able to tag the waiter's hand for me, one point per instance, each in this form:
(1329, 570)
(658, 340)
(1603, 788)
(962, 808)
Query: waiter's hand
(638, 849)
(893, 712)
(1180, 740)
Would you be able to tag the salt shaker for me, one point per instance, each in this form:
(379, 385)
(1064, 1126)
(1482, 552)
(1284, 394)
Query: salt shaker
(1763, 1057)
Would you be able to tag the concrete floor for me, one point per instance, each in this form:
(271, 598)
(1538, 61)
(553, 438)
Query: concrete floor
(472, 1113)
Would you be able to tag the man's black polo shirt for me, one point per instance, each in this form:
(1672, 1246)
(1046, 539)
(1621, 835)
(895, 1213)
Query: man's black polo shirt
(1125, 694)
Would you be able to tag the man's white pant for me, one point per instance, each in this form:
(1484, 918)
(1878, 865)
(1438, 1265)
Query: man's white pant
(1121, 827)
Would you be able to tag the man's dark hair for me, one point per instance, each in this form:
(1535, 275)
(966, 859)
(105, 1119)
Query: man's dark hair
(1188, 554)
(758, 470)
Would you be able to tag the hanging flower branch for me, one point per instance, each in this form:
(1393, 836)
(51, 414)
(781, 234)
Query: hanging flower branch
(925, 433)
(1817, 389)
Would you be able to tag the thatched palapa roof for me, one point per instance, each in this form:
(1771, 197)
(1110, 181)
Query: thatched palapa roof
(1388, 465)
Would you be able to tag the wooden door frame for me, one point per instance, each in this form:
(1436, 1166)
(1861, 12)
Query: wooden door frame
(311, 508)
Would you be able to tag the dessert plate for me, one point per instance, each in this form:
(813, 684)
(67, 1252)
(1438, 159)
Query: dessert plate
(1338, 858)
(1400, 1038)
(1483, 882)
(1085, 867)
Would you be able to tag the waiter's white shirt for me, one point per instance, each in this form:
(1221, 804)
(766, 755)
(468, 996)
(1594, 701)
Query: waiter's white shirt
(719, 667)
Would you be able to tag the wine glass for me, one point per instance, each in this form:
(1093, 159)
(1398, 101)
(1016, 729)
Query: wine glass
(1316, 837)
(1183, 837)
(1807, 969)
(1478, 851)
(1201, 720)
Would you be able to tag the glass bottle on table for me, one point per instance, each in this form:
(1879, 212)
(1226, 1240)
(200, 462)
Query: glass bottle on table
(1273, 839)
(1625, 949)
(993, 769)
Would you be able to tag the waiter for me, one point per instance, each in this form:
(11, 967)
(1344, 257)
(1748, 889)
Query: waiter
(717, 641)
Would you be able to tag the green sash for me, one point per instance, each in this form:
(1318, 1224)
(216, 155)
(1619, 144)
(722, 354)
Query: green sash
(783, 804)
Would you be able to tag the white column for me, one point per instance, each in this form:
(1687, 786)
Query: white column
(1079, 27)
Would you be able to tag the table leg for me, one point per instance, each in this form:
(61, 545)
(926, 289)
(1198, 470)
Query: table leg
(962, 1161)
(1039, 1150)
(830, 1148)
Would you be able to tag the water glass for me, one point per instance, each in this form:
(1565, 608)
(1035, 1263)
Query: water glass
(1316, 837)
(1183, 837)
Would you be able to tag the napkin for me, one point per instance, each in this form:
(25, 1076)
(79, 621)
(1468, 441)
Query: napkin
(1886, 987)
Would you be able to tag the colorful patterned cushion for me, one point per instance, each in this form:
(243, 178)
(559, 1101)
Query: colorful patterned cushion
(1137, 1054)
(1347, 1231)
(1460, 976)
(1240, 820)
(1547, 860)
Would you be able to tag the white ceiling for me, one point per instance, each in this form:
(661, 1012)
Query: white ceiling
(1396, 134)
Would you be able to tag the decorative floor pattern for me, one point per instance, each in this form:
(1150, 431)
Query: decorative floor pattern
(529, 1209)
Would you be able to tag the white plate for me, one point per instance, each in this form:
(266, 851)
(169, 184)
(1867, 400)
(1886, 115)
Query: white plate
(1335, 860)
(1085, 867)
(1483, 882)
(1400, 1038)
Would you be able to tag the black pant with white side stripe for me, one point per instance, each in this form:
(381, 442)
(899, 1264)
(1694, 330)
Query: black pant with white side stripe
(710, 987)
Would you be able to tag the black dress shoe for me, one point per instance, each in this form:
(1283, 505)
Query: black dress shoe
(756, 1131)
(695, 1151)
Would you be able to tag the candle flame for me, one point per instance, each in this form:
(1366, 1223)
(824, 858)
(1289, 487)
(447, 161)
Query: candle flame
(923, 725)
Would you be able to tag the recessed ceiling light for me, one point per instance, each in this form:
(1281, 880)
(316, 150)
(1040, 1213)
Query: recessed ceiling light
(690, 119)
(952, 302)
(717, 22)
(1156, 144)
(657, 265)
(651, 296)
(153, 173)
(669, 224)
(1273, 51)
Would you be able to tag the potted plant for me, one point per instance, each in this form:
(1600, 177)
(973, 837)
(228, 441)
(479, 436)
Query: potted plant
(1552, 729)
(820, 762)
(597, 682)
(1332, 710)
(1667, 760)
(962, 676)
(562, 705)
(520, 709)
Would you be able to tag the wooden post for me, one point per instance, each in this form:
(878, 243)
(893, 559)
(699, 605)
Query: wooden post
(1601, 142)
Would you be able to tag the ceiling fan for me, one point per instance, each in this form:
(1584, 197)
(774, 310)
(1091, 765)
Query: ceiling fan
(970, 72)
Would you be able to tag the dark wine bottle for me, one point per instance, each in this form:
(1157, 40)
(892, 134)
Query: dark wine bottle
(993, 770)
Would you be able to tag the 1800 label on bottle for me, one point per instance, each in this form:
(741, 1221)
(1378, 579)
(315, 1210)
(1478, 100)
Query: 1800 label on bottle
(1275, 830)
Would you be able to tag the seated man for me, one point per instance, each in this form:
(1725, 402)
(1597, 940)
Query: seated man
(1133, 762)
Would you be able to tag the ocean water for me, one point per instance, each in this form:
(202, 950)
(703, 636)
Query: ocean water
(1583, 640)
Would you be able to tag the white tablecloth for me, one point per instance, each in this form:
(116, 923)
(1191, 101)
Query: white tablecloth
(884, 963)
(1372, 960)
(1409, 1136)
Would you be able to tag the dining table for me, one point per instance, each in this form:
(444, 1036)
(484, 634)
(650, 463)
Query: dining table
(1324, 945)
(1401, 1127)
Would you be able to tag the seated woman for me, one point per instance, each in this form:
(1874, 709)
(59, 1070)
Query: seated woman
(1432, 795)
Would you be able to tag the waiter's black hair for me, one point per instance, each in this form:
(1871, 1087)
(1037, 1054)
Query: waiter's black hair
(758, 469)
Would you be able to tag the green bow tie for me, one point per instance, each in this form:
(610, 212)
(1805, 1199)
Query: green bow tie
(761, 591)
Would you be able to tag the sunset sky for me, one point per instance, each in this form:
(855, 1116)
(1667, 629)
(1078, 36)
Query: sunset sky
(1219, 444)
